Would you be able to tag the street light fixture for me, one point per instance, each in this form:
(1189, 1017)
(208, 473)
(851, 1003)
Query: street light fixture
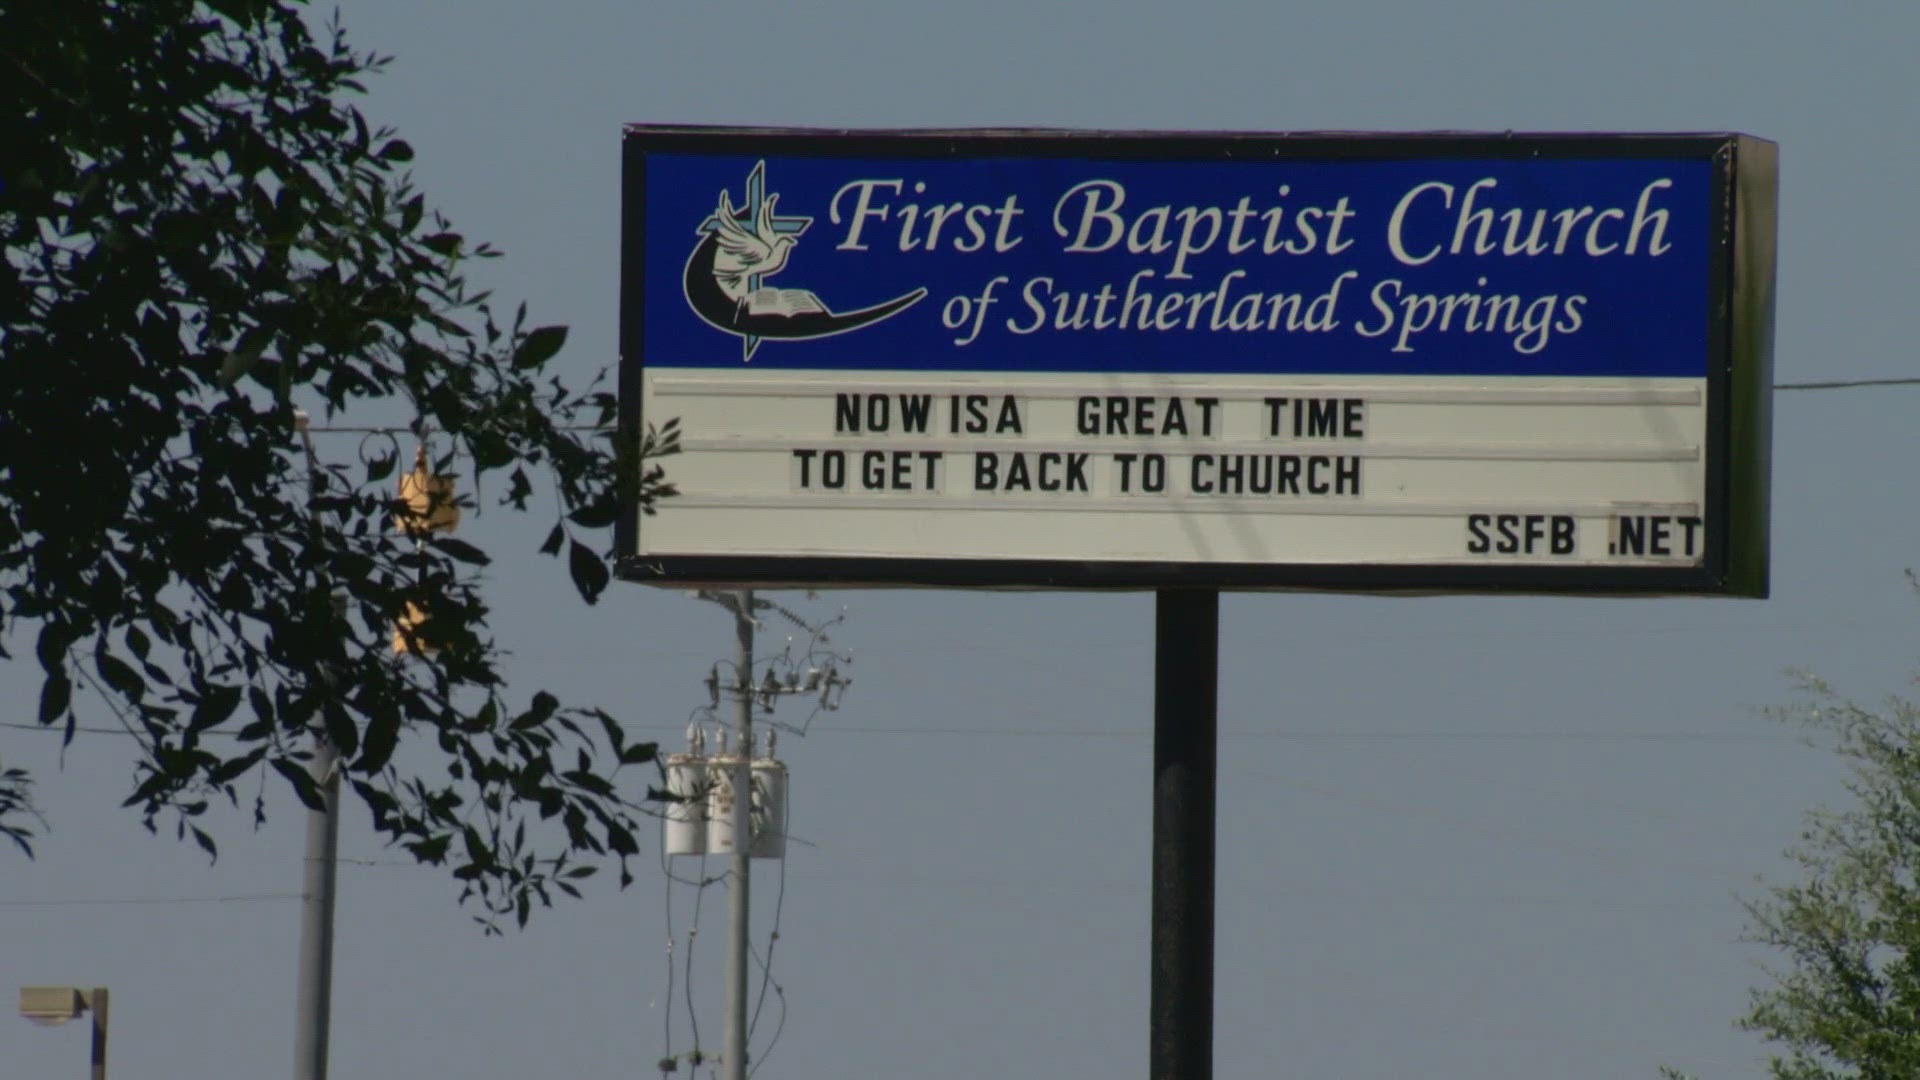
(51, 1006)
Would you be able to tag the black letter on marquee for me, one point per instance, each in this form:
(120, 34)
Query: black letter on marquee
(1153, 472)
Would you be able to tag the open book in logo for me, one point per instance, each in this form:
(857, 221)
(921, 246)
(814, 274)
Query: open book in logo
(742, 246)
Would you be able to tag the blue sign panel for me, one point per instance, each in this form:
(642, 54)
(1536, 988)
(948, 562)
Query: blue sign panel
(1441, 362)
(1426, 266)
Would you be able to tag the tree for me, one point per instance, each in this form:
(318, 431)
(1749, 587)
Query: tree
(16, 803)
(202, 233)
(1847, 1002)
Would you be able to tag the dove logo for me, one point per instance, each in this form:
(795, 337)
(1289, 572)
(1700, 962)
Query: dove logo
(740, 247)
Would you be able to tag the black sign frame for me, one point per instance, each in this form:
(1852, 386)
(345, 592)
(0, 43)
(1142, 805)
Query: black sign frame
(1739, 370)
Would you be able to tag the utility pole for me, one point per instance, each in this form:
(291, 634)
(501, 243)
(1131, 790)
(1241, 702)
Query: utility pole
(734, 1059)
(733, 802)
(314, 999)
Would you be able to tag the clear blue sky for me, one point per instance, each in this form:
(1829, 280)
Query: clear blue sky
(1472, 838)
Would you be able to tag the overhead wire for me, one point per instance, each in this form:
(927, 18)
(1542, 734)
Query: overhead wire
(780, 998)
(1363, 736)
(140, 900)
(693, 1014)
(1845, 384)
(666, 881)
(766, 965)
(1127, 733)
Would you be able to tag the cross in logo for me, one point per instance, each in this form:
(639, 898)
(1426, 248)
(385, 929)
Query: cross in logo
(789, 226)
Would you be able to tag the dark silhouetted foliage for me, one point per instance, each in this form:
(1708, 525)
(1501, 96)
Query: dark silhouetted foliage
(201, 233)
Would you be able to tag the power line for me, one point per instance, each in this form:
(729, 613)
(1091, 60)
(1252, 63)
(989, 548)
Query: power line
(230, 899)
(406, 429)
(93, 730)
(1845, 384)
(96, 902)
(63, 728)
(1284, 733)
(1623, 736)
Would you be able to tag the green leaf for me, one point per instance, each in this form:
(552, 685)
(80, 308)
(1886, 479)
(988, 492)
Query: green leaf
(490, 451)
(461, 550)
(52, 646)
(542, 710)
(540, 346)
(149, 788)
(215, 706)
(119, 676)
(616, 737)
(304, 787)
(396, 150)
(620, 840)
(444, 243)
(232, 769)
(56, 693)
(478, 852)
(243, 357)
(590, 574)
(138, 641)
(587, 781)
(341, 731)
(432, 851)
(519, 491)
(597, 514)
(243, 12)
(554, 539)
(382, 736)
(206, 844)
(262, 705)
(381, 466)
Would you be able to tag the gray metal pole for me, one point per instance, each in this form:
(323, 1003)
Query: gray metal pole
(314, 999)
(315, 1002)
(734, 1061)
(98, 1006)
(1186, 682)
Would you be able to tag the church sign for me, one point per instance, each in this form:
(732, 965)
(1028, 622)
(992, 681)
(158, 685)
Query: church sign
(1115, 360)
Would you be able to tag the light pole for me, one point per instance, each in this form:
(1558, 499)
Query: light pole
(51, 1006)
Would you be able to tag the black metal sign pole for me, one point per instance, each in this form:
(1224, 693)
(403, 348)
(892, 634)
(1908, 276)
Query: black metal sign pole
(1186, 683)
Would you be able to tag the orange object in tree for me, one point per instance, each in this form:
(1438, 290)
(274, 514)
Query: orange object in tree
(427, 500)
(426, 506)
